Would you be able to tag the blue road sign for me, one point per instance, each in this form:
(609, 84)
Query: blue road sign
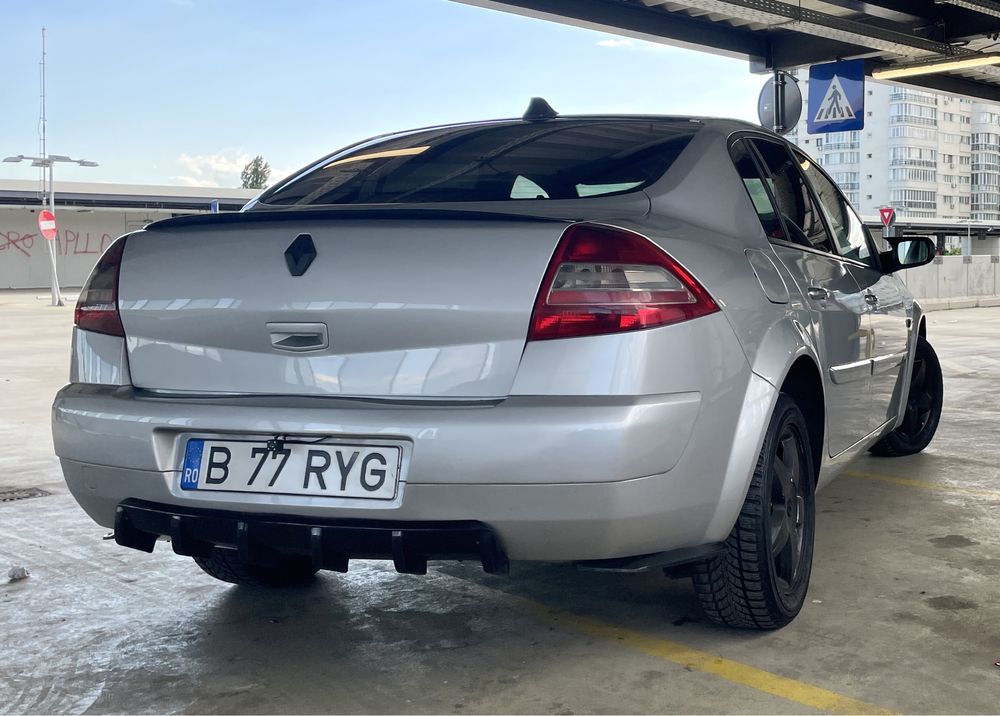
(836, 97)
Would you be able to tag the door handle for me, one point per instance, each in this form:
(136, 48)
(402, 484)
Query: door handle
(871, 299)
(817, 293)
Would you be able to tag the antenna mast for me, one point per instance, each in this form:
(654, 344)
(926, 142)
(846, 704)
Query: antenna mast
(41, 122)
(42, 63)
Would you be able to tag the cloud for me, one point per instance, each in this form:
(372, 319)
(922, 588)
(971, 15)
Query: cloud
(623, 43)
(279, 173)
(221, 169)
(192, 181)
(616, 42)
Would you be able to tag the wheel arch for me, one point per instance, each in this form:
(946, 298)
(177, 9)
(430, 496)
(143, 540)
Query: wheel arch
(783, 357)
(918, 318)
(788, 359)
(803, 383)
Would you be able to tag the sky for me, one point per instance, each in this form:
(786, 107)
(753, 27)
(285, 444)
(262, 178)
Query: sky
(185, 92)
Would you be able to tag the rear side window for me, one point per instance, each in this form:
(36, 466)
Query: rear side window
(801, 216)
(754, 183)
(501, 161)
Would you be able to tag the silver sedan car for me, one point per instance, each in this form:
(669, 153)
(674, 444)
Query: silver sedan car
(627, 342)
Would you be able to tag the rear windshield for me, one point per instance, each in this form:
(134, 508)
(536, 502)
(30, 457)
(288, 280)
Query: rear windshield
(521, 161)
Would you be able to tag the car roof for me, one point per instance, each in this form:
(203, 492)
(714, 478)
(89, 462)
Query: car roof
(720, 123)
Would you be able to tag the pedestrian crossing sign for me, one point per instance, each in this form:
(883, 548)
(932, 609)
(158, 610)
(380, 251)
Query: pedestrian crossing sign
(836, 97)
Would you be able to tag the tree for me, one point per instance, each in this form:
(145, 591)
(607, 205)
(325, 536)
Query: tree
(256, 173)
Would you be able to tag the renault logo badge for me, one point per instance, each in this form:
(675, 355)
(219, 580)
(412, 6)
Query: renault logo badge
(300, 254)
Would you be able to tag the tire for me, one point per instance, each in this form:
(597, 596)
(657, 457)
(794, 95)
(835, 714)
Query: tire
(760, 579)
(227, 567)
(923, 407)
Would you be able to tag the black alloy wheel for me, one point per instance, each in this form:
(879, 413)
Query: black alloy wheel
(760, 579)
(922, 412)
(919, 403)
(788, 511)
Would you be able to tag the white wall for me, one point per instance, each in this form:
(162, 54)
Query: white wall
(83, 236)
(954, 277)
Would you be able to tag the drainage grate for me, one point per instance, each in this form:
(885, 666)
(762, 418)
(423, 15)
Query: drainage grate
(22, 493)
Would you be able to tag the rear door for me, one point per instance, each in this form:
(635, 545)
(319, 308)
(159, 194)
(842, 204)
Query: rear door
(835, 300)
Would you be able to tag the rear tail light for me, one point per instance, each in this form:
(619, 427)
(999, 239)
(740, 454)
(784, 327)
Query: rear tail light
(608, 280)
(97, 307)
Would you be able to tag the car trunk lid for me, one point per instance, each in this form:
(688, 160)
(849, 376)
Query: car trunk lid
(431, 305)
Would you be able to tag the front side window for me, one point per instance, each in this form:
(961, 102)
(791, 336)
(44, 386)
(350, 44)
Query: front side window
(498, 161)
(849, 232)
(801, 216)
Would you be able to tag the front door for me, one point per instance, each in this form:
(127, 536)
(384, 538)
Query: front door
(887, 305)
(888, 312)
(836, 303)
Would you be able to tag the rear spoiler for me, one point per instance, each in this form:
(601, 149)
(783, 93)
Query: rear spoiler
(402, 213)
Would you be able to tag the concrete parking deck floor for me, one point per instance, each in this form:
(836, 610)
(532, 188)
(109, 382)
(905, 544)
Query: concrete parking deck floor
(903, 613)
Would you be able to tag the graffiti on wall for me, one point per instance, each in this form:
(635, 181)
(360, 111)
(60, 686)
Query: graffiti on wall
(68, 243)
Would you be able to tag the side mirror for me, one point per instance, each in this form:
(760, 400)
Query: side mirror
(907, 252)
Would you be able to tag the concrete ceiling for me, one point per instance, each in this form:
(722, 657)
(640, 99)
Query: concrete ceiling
(774, 34)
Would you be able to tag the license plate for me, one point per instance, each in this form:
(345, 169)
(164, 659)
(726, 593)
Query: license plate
(292, 468)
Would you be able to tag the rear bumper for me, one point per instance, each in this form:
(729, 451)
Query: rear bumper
(519, 440)
(553, 522)
(554, 478)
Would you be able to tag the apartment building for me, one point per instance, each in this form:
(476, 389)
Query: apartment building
(931, 156)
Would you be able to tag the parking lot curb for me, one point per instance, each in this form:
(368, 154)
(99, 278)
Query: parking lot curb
(946, 304)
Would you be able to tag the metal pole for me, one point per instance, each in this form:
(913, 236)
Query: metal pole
(56, 293)
(779, 102)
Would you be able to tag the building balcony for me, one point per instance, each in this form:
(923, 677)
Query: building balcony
(924, 163)
(908, 96)
(911, 119)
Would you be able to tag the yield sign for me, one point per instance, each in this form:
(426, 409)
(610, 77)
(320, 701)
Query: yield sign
(888, 215)
(47, 224)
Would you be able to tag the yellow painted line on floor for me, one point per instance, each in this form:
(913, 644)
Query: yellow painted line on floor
(923, 484)
(705, 662)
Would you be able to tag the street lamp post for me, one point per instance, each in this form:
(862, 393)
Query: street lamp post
(967, 245)
(48, 162)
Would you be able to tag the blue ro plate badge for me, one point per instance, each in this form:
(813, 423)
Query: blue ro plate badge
(192, 464)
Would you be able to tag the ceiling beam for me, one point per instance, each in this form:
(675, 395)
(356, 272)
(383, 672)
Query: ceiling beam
(821, 24)
(986, 7)
(943, 20)
(791, 41)
(787, 51)
(642, 23)
(876, 10)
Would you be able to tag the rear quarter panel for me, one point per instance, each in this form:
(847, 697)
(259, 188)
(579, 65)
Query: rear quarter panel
(702, 215)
